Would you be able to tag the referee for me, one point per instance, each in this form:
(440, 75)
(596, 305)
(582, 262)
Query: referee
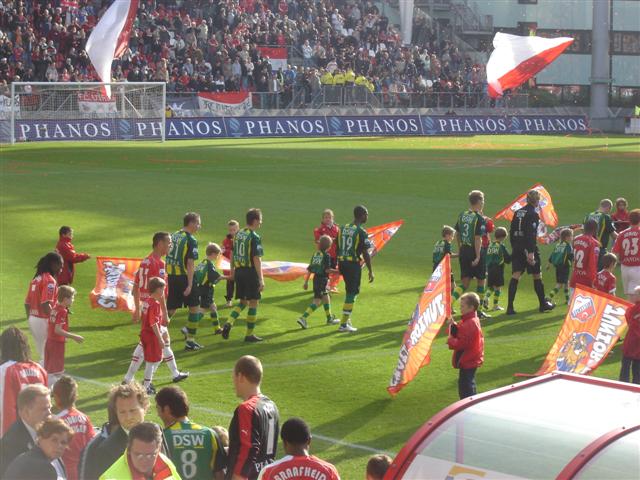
(523, 233)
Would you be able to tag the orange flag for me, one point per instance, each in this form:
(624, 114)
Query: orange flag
(381, 234)
(428, 317)
(593, 324)
(114, 282)
(545, 208)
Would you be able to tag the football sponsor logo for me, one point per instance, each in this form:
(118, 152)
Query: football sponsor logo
(583, 309)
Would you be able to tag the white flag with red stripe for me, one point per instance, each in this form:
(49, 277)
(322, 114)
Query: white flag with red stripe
(515, 59)
(110, 37)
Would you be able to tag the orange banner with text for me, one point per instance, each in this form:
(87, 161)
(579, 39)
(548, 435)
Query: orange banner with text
(430, 313)
(592, 327)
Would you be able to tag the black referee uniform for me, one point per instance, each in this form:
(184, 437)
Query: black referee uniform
(523, 234)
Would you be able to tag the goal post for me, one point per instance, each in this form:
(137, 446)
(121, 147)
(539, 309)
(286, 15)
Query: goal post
(80, 111)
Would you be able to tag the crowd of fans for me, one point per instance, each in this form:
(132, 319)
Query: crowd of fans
(212, 45)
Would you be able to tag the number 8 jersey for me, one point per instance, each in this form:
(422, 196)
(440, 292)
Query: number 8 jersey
(196, 451)
(253, 437)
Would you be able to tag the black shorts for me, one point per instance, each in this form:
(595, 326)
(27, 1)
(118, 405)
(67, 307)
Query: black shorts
(466, 258)
(320, 286)
(519, 262)
(247, 284)
(175, 298)
(352, 274)
(562, 274)
(601, 253)
(495, 276)
(205, 296)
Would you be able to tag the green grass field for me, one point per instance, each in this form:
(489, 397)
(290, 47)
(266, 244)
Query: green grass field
(116, 195)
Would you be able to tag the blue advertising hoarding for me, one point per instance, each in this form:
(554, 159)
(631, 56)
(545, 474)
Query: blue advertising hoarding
(184, 128)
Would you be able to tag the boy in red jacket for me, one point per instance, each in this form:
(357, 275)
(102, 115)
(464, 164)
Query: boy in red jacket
(467, 342)
(631, 345)
(68, 252)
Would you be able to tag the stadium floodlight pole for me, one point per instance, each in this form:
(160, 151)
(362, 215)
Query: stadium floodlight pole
(600, 72)
(163, 122)
(12, 114)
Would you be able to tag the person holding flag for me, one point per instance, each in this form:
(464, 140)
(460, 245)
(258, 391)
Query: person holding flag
(525, 254)
(467, 342)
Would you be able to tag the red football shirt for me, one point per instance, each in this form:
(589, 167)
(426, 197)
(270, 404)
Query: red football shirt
(302, 468)
(151, 266)
(14, 376)
(59, 316)
(585, 260)
(489, 228)
(151, 315)
(227, 247)
(83, 433)
(605, 281)
(627, 247)
(332, 232)
(620, 220)
(43, 288)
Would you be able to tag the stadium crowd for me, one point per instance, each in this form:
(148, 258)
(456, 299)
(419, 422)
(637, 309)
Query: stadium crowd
(212, 45)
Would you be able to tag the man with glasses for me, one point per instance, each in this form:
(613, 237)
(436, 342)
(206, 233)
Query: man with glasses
(142, 458)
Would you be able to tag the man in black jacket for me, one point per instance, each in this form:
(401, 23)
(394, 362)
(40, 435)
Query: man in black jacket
(34, 406)
(526, 257)
(129, 403)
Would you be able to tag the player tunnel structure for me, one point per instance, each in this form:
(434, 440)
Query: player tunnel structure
(559, 425)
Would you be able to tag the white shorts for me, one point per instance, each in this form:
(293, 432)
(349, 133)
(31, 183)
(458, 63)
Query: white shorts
(630, 279)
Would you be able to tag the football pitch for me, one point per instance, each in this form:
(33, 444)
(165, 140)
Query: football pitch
(116, 195)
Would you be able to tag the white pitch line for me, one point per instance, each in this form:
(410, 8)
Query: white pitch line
(212, 411)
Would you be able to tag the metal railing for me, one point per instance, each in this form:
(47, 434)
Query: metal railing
(359, 96)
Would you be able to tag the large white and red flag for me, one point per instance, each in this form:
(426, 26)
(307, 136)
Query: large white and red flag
(515, 59)
(110, 37)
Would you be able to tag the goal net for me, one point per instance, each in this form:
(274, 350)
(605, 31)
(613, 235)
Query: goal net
(50, 111)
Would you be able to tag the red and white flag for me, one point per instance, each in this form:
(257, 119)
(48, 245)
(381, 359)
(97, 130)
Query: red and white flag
(277, 56)
(515, 59)
(95, 102)
(110, 37)
(225, 103)
(70, 4)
